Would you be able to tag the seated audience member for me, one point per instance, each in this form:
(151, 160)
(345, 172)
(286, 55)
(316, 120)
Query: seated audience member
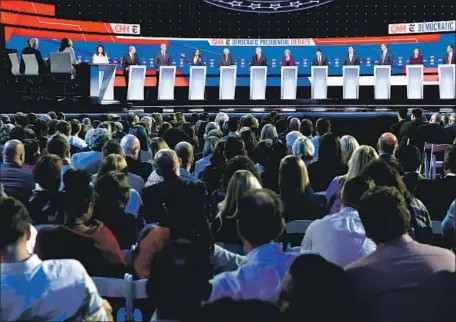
(323, 126)
(209, 146)
(17, 133)
(184, 151)
(157, 144)
(80, 237)
(294, 124)
(270, 175)
(17, 182)
(312, 283)
(451, 128)
(299, 201)
(131, 147)
(32, 289)
(238, 163)
(362, 156)
(32, 154)
(179, 281)
(233, 127)
(387, 146)
(303, 148)
(291, 138)
(75, 141)
(437, 195)
(402, 118)
(330, 163)
(340, 238)
(141, 134)
(45, 204)
(432, 132)
(209, 127)
(64, 128)
(227, 309)
(189, 129)
(399, 264)
(178, 206)
(90, 160)
(269, 132)
(234, 146)
(306, 128)
(349, 144)
(173, 136)
(224, 225)
(213, 173)
(410, 159)
(261, 275)
(407, 134)
(382, 174)
(221, 118)
(250, 140)
(58, 145)
(111, 195)
(260, 155)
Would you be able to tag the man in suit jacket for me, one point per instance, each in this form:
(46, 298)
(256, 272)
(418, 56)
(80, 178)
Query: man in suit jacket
(450, 58)
(130, 58)
(351, 58)
(386, 220)
(432, 132)
(226, 59)
(451, 128)
(387, 147)
(410, 159)
(132, 147)
(17, 182)
(402, 118)
(32, 48)
(258, 59)
(409, 129)
(162, 58)
(386, 57)
(320, 60)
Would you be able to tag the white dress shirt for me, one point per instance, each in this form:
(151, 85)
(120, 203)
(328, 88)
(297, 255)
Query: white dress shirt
(100, 59)
(77, 142)
(339, 238)
(259, 277)
(52, 290)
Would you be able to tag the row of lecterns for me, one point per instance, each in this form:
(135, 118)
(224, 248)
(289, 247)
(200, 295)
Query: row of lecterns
(102, 82)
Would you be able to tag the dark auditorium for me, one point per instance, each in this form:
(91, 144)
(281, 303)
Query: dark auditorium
(225, 160)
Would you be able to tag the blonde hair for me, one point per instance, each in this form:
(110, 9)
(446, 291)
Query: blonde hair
(113, 162)
(241, 182)
(303, 148)
(360, 158)
(269, 131)
(349, 144)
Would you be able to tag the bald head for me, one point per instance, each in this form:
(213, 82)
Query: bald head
(184, 151)
(14, 152)
(387, 143)
(435, 118)
(167, 163)
(131, 146)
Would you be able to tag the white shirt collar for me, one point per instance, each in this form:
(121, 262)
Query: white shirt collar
(261, 251)
(22, 267)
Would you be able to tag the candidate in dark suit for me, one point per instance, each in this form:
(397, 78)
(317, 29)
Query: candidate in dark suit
(416, 58)
(386, 57)
(197, 59)
(226, 59)
(450, 58)
(161, 59)
(319, 59)
(129, 59)
(351, 58)
(259, 59)
(32, 48)
(288, 60)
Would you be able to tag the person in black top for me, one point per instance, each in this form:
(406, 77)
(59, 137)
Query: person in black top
(32, 48)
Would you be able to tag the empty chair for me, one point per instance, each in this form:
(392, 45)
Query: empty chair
(61, 63)
(31, 65)
(434, 163)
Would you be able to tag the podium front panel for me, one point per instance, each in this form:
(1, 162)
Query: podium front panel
(320, 82)
(415, 81)
(351, 82)
(197, 83)
(166, 83)
(258, 78)
(102, 78)
(447, 81)
(382, 82)
(136, 83)
(289, 82)
(227, 82)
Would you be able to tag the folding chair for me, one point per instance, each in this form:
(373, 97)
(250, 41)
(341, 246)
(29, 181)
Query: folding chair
(434, 164)
(295, 231)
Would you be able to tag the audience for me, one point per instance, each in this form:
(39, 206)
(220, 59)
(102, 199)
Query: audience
(184, 151)
(323, 126)
(387, 147)
(402, 118)
(269, 132)
(306, 128)
(399, 264)
(32, 289)
(349, 144)
(291, 138)
(407, 133)
(340, 237)
(58, 145)
(303, 148)
(32, 154)
(90, 160)
(209, 146)
(410, 159)
(132, 148)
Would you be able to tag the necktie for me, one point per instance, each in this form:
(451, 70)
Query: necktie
(351, 57)
(449, 59)
(383, 57)
(319, 60)
(226, 59)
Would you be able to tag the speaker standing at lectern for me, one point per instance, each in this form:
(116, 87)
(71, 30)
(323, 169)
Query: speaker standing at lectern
(130, 58)
(288, 60)
(226, 59)
(258, 59)
(161, 59)
(450, 58)
(351, 59)
(386, 57)
(319, 59)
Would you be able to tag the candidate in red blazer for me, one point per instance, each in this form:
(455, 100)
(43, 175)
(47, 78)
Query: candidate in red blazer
(288, 60)
(416, 58)
(258, 59)
(450, 57)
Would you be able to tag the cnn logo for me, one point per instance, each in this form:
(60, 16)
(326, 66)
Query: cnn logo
(122, 29)
(396, 29)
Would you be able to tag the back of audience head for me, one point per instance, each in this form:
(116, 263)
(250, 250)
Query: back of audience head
(167, 163)
(113, 162)
(240, 182)
(131, 118)
(184, 151)
(158, 118)
(349, 144)
(209, 145)
(15, 222)
(256, 206)
(417, 114)
(233, 124)
(291, 139)
(112, 147)
(75, 127)
(249, 138)
(218, 155)
(323, 126)
(410, 158)
(173, 136)
(360, 159)
(111, 194)
(52, 115)
(402, 113)
(5, 133)
(32, 152)
(17, 133)
(387, 143)
(249, 121)
(269, 132)
(235, 164)
(304, 148)
(227, 309)
(444, 120)
(140, 133)
(29, 132)
(149, 123)
(331, 151)
(261, 152)
(215, 132)
(352, 191)
(14, 152)
(384, 214)
(210, 126)
(311, 283)
(164, 128)
(58, 145)
(450, 159)
(221, 118)
(294, 124)
(306, 127)
(234, 146)
(97, 138)
(157, 144)
(64, 128)
(78, 196)
(179, 280)
(189, 129)
(293, 179)
(131, 146)
(48, 172)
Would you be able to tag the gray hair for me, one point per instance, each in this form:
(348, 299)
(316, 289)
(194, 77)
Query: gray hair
(292, 137)
(211, 126)
(33, 42)
(209, 145)
(269, 131)
(303, 148)
(128, 143)
(453, 117)
(287, 51)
